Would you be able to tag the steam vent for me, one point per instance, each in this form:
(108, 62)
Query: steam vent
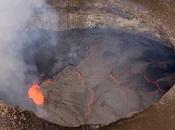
(87, 65)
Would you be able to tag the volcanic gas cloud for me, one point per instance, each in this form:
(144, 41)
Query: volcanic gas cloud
(17, 19)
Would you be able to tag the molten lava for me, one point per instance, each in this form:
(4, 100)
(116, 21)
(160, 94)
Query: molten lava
(91, 101)
(36, 94)
(80, 76)
(114, 78)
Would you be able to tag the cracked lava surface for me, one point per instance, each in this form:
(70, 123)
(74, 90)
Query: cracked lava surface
(101, 76)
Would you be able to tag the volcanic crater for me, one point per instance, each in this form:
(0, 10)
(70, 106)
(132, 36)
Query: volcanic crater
(97, 75)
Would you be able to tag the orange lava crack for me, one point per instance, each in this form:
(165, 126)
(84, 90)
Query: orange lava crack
(91, 101)
(114, 77)
(153, 83)
(81, 77)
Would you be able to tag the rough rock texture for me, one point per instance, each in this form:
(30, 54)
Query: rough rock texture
(18, 119)
(155, 13)
(160, 14)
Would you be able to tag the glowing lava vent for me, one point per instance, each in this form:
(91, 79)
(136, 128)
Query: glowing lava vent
(36, 94)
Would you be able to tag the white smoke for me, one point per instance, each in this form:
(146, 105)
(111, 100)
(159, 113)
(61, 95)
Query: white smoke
(16, 17)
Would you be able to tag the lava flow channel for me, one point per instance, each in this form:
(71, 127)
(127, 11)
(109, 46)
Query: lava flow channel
(114, 77)
(36, 94)
(91, 101)
(153, 83)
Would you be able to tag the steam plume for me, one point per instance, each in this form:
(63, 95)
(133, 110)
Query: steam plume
(17, 17)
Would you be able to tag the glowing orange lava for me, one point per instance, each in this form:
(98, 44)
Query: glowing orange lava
(114, 78)
(90, 103)
(36, 95)
(81, 77)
